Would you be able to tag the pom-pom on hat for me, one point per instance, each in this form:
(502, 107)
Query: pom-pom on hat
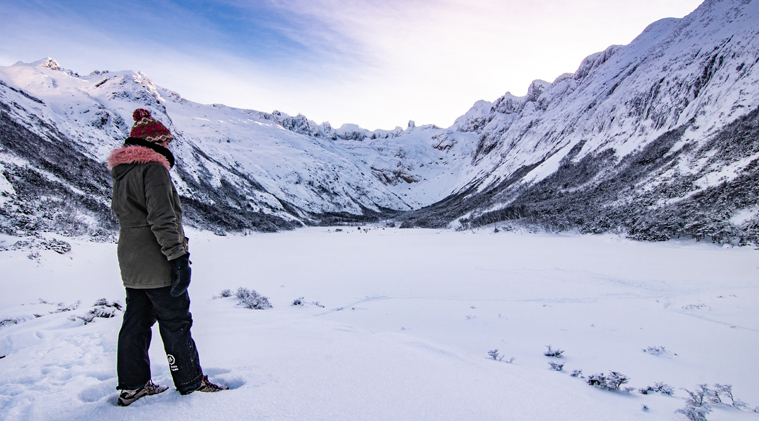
(148, 128)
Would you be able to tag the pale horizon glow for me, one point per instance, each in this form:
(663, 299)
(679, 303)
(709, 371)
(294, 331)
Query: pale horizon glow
(375, 64)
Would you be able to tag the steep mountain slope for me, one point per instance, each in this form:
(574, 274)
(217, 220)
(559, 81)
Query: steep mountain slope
(657, 138)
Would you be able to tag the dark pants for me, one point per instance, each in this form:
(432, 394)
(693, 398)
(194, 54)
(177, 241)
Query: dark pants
(143, 308)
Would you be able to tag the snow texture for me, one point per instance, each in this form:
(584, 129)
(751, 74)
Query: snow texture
(409, 317)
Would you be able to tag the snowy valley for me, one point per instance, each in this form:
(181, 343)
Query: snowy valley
(415, 273)
(397, 324)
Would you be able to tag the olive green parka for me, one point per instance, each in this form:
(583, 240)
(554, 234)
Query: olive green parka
(150, 216)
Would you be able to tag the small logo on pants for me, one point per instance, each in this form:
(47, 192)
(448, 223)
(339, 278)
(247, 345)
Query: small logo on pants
(172, 363)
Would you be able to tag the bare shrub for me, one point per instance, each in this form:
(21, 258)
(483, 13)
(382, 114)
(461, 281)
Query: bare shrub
(252, 300)
(695, 413)
(611, 381)
(556, 366)
(102, 308)
(301, 302)
(726, 390)
(662, 388)
(497, 357)
(655, 350)
(555, 353)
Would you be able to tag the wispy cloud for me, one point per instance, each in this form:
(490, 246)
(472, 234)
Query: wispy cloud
(375, 63)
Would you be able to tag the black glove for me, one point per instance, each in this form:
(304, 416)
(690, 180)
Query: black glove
(180, 275)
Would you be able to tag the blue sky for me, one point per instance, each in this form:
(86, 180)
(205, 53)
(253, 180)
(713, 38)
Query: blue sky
(373, 63)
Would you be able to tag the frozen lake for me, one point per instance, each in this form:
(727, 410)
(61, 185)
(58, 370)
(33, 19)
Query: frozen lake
(397, 325)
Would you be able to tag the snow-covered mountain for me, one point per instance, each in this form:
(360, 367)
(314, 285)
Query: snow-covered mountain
(658, 139)
(236, 169)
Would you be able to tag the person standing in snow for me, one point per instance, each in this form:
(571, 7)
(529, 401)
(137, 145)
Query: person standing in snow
(155, 264)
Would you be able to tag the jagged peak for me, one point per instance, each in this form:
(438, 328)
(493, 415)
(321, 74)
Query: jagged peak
(47, 62)
(50, 63)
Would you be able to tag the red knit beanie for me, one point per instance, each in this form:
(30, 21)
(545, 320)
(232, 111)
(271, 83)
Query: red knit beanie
(148, 128)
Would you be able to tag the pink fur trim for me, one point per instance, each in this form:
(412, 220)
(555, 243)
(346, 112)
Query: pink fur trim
(136, 155)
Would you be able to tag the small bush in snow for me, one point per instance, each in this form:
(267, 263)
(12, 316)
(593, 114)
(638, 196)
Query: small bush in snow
(556, 366)
(300, 302)
(655, 350)
(695, 413)
(62, 308)
(694, 307)
(86, 319)
(555, 353)
(226, 293)
(576, 373)
(103, 303)
(662, 388)
(102, 308)
(497, 357)
(8, 322)
(252, 300)
(726, 391)
(612, 381)
(699, 397)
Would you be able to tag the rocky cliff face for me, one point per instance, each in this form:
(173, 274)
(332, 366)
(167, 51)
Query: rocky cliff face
(657, 139)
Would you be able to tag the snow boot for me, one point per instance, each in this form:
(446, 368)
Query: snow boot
(128, 396)
(206, 386)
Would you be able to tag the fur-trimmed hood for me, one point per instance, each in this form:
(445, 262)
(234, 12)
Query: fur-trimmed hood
(132, 154)
(140, 151)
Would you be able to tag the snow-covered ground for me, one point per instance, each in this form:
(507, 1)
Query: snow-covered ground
(402, 329)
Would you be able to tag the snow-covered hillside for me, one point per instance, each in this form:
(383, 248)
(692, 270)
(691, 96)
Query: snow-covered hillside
(638, 138)
(699, 71)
